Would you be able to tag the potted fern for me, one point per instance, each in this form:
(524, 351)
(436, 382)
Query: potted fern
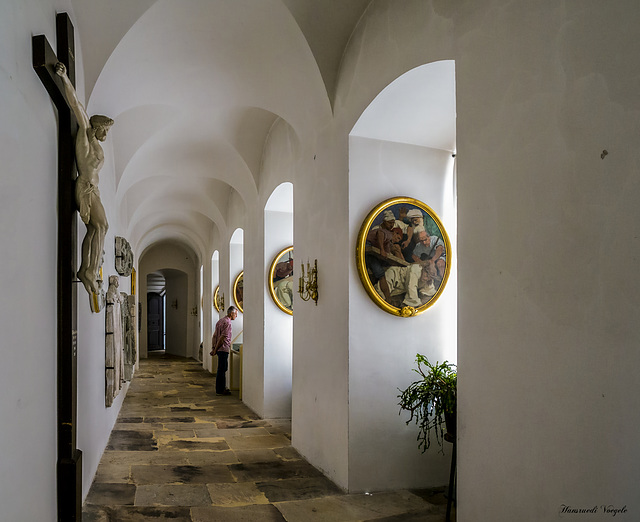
(431, 401)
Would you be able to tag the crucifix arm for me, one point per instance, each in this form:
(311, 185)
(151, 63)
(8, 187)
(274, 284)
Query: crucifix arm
(72, 97)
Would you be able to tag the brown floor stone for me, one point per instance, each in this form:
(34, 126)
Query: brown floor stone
(238, 494)
(257, 513)
(114, 472)
(259, 441)
(263, 471)
(110, 494)
(298, 489)
(351, 508)
(179, 452)
(198, 445)
(181, 474)
(140, 514)
(199, 458)
(257, 455)
(172, 495)
(132, 441)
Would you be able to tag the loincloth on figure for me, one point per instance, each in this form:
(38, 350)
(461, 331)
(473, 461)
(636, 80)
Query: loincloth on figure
(84, 192)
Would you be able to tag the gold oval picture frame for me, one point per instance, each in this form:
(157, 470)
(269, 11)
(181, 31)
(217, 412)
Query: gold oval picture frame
(238, 291)
(280, 280)
(410, 273)
(216, 299)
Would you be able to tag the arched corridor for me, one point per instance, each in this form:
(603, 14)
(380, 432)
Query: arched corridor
(505, 133)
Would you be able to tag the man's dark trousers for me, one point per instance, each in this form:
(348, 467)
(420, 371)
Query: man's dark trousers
(221, 377)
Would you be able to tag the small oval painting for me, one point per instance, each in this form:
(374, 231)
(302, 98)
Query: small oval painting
(281, 280)
(238, 291)
(217, 299)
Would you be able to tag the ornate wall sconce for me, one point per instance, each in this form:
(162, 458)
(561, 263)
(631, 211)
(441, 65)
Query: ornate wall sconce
(308, 283)
(194, 311)
(174, 304)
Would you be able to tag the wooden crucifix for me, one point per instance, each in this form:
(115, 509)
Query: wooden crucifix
(69, 462)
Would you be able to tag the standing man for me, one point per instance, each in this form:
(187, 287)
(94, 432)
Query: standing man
(220, 346)
(89, 161)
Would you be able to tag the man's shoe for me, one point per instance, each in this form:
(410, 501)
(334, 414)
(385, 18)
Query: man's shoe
(226, 392)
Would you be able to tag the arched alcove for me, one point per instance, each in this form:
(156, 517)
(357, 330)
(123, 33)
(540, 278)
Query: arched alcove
(278, 332)
(236, 266)
(403, 145)
(215, 284)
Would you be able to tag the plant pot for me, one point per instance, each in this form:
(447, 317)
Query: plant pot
(450, 424)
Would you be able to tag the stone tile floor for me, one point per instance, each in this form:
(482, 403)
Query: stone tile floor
(179, 452)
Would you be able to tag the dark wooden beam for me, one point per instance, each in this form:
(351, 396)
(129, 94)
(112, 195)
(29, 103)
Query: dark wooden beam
(69, 463)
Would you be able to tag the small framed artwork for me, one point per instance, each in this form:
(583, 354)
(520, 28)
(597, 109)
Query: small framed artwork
(216, 299)
(238, 291)
(402, 256)
(281, 280)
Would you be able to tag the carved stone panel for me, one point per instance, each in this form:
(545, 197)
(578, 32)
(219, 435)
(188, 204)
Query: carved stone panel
(128, 309)
(113, 342)
(124, 257)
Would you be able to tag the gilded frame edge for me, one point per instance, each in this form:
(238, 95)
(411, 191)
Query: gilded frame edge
(270, 280)
(235, 286)
(215, 298)
(407, 311)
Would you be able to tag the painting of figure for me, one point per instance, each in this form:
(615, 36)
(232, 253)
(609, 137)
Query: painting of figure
(281, 280)
(238, 291)
(402, 256)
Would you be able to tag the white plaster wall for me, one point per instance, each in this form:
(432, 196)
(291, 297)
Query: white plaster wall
(95, 421)
(235, 266)
(28, 148)
(320, 355)
(392, 38)
(547, 320)
(28, 234)
(382, 347)
(210, 312)
(176, 318)
(276, 167)
(253, 315)
(546, 337)
(278, 331)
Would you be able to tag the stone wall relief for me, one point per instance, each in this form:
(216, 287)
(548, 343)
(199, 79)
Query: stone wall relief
(128, 309)
(124, 257)
(113, 342)
(120, 340)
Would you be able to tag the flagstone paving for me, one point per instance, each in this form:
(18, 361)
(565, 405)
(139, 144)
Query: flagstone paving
(179, 452)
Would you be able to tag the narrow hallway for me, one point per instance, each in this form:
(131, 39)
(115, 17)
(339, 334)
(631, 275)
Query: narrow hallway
(179, 452)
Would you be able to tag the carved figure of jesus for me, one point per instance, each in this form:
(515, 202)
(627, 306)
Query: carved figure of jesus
(89, 161)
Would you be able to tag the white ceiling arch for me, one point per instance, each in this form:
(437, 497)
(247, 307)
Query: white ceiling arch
(182, 201)
(174, 240)
(195, 87)
(170, 233)
(184, 153)
(419, 108)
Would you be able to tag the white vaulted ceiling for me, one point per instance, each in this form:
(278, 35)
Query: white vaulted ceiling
(195, 87)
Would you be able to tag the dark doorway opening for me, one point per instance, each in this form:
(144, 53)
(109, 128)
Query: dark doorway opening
(155, 322)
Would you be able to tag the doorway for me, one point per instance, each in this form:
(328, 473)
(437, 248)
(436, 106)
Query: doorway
(155, 321)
